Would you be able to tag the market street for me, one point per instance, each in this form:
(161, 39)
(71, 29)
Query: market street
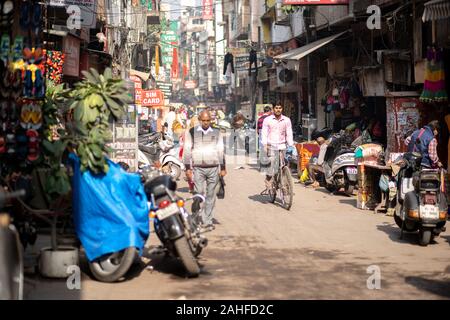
(320, 249)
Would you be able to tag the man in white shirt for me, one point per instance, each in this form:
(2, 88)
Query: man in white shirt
(315, 168)
(169, 119)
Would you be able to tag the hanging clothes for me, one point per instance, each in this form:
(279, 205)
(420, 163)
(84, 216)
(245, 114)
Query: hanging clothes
(228, 60)
(434, 85)
(253, 60)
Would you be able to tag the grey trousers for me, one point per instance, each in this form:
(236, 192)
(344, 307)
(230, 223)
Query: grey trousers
(207, 179)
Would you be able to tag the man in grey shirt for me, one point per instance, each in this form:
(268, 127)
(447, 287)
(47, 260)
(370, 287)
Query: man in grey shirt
(204, 158)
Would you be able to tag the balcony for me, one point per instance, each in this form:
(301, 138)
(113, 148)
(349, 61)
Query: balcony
(240, 24)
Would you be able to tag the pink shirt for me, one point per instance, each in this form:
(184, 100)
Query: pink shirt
(277, 133)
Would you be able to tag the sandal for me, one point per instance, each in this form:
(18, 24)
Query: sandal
(33, 145)
(25, 8)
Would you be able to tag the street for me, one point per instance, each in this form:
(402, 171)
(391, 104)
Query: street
(320, 249)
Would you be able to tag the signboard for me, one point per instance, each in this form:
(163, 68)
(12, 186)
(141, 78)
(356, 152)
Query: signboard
(190, 84)
(137, 82)
(165, 87)
(403, 116)
(169, 37)
(138, 96)
(207, 13)
(71, 49)
(88, 10)
(124, 142)
(152, 98)
(315, 2)
(167, 60)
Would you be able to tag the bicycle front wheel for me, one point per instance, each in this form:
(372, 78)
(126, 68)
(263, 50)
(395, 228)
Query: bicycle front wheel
(287, 188)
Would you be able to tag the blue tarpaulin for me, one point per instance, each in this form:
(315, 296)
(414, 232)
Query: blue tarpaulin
(110, 210)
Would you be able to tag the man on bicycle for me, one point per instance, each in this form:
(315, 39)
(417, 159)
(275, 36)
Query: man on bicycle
(276, 134)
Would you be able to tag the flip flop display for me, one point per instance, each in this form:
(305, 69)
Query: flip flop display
(22, 81)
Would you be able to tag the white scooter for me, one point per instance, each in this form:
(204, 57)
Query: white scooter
(165, 151)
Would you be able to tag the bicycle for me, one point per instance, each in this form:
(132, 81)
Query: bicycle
(282, 183)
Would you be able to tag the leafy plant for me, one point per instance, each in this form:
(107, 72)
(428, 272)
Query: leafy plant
(288, 9)
(93, 101)
(90, 105)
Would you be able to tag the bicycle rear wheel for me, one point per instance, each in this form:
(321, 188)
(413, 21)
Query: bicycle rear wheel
(273, 191)
(287, 188)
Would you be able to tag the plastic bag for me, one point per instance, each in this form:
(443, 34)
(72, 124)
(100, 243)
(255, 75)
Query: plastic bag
(110, 211)
(384, 183)
(305, 176)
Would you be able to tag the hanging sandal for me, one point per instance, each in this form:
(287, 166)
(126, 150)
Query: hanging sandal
(33, 145)
(25, 20)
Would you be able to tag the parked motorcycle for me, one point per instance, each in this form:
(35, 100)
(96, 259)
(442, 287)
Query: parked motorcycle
(176, 228)
(339, 164)
(156, 148)
(11, 253)
(421, 204)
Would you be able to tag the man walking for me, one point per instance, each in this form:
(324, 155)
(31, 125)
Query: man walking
(170, 118)
(267, 112)
(204, 158)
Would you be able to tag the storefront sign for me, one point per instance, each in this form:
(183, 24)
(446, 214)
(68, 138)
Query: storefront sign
(403, 117)
(315, 2)
(137, 82)
(190, 84)
(88, 10)
(152, 98)
(169, 38)
(138, 96)
(207, 9)
(71, 49)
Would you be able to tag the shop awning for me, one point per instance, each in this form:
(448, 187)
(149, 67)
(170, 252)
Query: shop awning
(436, 10)
(302, 52)
(143, 75)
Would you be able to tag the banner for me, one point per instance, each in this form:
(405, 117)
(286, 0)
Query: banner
(190, 84)
(71, 49)
(151, 98)
(315, 2)
(208, 6)
(174, 74)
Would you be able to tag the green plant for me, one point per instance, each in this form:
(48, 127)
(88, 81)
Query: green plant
(288, 9)
(93, 101)
(89, 105)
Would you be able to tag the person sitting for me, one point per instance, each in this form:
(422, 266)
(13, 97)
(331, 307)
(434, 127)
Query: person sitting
(315, 167)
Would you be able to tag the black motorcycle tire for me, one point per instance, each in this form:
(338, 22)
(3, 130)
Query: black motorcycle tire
(349, 189)
(330, 188)
(123, 266)
(425, 237)
(187, 257)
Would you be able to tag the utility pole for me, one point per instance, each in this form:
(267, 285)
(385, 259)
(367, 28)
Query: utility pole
(309, 17)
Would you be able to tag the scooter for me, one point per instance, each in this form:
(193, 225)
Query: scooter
(11, 253)
(421, 203)
(339, 165)
(163, 150)
(176, 228)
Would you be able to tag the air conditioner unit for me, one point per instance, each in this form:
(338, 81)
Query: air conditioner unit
(286, 78)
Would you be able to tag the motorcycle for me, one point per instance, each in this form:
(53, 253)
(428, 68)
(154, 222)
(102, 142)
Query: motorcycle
(339, 164)
(421, 205)
(156, 148)
(175, 227)
(11, 253)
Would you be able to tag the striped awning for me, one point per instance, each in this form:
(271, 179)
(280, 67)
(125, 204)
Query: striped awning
(436, 10)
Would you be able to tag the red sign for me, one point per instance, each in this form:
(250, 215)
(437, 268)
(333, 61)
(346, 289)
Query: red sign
(190, 84)
(207, 9)
(152, 98)
(137, 82)
(138, 96)
(315, 2)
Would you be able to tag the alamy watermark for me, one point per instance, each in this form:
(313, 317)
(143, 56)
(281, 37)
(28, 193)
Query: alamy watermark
(374, 20)
(74, 280)
(374, 280)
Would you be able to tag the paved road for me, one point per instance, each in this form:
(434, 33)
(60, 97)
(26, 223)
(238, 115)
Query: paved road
(320, 249)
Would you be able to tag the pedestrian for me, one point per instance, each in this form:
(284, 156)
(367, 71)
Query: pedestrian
(169, 119)
(204, 158)
(424, 142)
(267, 112)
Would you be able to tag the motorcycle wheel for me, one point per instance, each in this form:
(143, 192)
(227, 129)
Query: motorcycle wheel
(187, 257)
(330, 188)
(173, 170)
(112, 267)
(424, 237)
(349, 189)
